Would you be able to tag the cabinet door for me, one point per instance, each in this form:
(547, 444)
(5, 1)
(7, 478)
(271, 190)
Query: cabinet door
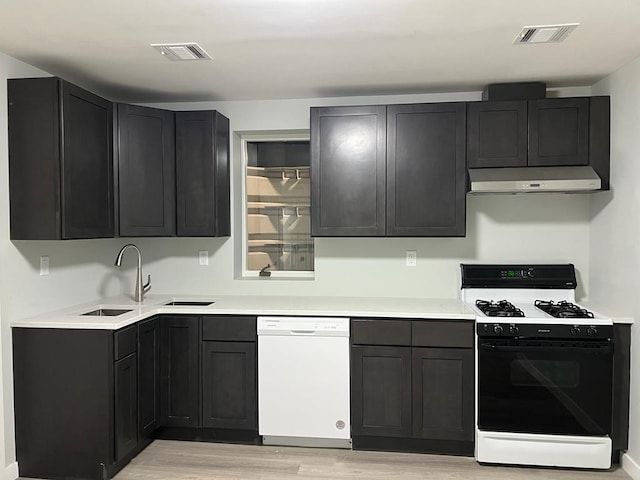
(229, 392)
(87, 164)
(148, 376)
(381, 391)
(497, 134)
(202, 174)
(60, 161)
(559, 131)
(348, 171)
(443, 393)
(426, 171)
(146, 163)
(126, 405)
(179, 366)
(621, 384)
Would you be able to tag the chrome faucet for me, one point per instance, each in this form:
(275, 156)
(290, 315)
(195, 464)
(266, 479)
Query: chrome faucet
(140, 288)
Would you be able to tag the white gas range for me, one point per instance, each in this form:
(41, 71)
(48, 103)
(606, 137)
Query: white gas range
(544, 368)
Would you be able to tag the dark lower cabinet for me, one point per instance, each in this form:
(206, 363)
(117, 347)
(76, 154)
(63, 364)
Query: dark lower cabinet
(621, 387)
(146, 171)
(180, 371)
(148, 377)
(443, 393)
(126, 405)
(75, 402)
(414, 390)
(381, 391)
(229, 385)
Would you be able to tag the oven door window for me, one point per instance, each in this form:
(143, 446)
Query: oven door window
(550, 387)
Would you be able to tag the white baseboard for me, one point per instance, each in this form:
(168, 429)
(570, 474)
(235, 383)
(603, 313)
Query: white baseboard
(631, 466)
(11, 472)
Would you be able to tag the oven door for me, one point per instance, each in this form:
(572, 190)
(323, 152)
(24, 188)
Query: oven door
(545, 386)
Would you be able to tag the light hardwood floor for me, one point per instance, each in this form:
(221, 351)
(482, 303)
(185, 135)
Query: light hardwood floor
(172, 460)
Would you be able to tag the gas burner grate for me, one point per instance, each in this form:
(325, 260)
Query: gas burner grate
(502, 308)
(562, 309)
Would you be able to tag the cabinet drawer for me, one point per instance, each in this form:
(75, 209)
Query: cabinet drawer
(229, 328)
(372, 331)
(125, 342)
(442, 333)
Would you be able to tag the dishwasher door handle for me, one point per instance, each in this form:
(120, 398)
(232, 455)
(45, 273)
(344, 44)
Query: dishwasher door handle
(303, 332)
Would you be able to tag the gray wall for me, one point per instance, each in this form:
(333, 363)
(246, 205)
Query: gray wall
(615, 228)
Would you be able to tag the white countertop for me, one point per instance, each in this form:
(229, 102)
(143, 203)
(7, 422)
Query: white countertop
(617, 317)
(428, 308)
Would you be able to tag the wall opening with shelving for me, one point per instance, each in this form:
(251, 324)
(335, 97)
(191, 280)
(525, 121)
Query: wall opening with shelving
(278, 228)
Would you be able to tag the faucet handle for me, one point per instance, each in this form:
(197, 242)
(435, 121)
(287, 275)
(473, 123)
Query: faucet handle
(147, 285)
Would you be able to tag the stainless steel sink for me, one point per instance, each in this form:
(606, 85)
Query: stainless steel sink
(189, 303)
(107, 312)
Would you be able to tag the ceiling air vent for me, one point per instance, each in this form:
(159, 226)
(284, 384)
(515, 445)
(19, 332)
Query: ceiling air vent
(181, 51)
(545, 33)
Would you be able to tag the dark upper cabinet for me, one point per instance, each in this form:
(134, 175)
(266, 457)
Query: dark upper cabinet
(348, 171)
(426, 171)
(559, 131)
(381, 391)
(202, 174)
(146, 171)
(537, 133)
(394, 170)
(148, 376)
(497, 134)
(443, 393)
(180, 371)
(60, 161)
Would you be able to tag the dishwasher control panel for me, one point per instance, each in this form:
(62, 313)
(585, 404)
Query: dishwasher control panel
(312, 326)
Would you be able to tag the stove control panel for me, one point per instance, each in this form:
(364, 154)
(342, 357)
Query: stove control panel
(562, 276)
(519, 273)
(529, 330)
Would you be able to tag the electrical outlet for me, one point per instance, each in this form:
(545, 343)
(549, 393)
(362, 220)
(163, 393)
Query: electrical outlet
(203, 257)
(412, 258)
(44, 265)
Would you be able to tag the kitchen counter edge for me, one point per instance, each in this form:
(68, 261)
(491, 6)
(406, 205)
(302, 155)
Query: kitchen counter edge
(361, 307)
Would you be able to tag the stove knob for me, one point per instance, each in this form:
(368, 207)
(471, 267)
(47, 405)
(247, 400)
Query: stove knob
(498, 330)
(592, 331)
(513, 330)
(575, 331)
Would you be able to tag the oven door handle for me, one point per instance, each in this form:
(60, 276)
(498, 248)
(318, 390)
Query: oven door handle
(606, 348)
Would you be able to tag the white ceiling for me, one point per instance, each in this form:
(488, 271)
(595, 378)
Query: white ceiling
(270, 49)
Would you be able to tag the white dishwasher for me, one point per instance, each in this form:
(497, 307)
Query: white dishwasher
(303, 381)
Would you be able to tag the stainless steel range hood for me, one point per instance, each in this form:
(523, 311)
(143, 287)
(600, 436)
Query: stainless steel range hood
(534, 180)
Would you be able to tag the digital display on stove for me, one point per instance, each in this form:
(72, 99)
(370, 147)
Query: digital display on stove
(519, 274)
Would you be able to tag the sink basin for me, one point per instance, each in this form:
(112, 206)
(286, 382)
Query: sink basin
(107, 312)
(189, 303)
